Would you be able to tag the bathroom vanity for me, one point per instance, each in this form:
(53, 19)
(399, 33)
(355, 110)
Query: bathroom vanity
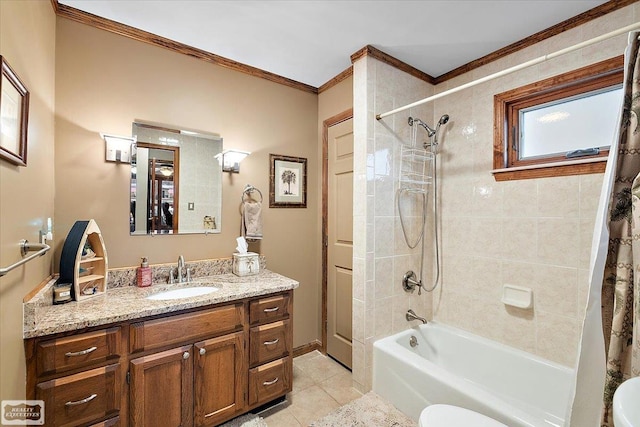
(123, 359)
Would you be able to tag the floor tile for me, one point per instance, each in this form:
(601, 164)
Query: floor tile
(311, 404)
(301, 380)
(340, 388)
(281, 418)
(320, 368)
(308, 356)
(320, 385)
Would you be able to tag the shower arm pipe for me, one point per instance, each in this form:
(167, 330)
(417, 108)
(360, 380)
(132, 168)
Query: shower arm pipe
(515, 68)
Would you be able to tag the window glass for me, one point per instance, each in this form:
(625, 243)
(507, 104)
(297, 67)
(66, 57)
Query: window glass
(581, 122)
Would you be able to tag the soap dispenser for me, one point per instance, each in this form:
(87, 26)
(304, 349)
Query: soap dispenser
(144, 274)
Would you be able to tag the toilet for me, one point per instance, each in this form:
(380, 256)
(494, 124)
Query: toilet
(626, 411)
(441, 415)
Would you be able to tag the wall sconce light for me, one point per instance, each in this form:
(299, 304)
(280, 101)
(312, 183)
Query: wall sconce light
(231, 160)
(118, 148)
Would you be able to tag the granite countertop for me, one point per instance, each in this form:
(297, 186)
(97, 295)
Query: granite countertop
(130, 303)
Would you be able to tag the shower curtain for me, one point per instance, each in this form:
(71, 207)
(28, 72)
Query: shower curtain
(621, 281)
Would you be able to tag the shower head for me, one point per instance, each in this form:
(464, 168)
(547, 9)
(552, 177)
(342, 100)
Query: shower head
(430, 132)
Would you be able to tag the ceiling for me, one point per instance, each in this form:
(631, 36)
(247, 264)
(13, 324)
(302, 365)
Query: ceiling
(311, 41)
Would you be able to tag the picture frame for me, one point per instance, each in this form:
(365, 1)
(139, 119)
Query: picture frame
(287, 182)
(14, 116)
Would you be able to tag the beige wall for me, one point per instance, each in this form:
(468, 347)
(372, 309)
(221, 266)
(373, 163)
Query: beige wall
(27, 41)
(105, 81)
(334, 100)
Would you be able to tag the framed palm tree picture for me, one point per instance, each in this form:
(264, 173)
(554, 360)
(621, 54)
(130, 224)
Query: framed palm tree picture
(287, 182)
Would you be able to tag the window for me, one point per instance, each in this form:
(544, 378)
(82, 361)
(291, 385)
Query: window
(559, 126)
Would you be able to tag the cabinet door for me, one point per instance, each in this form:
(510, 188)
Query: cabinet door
(220, 379)
(161, 390)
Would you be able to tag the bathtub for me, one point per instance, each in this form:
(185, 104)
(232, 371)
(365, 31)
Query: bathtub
(456, 367)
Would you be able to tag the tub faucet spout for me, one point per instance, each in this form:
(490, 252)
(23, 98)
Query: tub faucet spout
(411, 315)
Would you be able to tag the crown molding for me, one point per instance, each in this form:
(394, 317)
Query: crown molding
(153, 39)
(337, 79)
(394, 62)
(563, 26)
(77, 15)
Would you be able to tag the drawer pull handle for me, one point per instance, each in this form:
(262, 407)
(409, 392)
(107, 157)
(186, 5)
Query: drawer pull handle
(80, 402)
(271, 342)
(271, 310)
(272, 382)
(80, 353)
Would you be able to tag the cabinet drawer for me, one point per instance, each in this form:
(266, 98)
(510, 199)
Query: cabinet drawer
(269, 381)
(269, 342)
(111, 422)
(81, 398)
(183, 328)
(269, 309)
(64, 354)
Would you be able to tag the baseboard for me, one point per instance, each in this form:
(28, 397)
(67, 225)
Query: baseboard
(307, 348)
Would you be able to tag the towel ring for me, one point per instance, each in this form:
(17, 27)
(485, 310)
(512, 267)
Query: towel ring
(250, 189)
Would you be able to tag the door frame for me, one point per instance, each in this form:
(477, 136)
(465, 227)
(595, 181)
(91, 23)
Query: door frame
(331, 121)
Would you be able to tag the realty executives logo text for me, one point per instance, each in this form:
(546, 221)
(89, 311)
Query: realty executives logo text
(23, 412)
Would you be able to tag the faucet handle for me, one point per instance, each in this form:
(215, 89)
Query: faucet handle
(172, 280)
(188, 274)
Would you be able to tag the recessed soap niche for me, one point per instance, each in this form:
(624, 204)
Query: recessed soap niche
(85, 268)
(517, 296)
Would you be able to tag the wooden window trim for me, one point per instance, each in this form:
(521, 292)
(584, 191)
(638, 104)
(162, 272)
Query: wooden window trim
(507, 105)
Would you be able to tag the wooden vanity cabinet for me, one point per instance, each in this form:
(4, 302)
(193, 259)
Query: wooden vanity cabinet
(220, 379)
(161, 388)
(197, 368)
(270, 344)
(79, 377)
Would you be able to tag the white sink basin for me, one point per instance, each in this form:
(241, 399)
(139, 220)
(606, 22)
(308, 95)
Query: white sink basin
(194, 291)
(626, 410)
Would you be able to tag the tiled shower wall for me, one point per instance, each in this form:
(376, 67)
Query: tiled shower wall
(381, 256)
(535, 233)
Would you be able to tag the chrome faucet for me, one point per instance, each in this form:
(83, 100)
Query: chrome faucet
(411, 315)
(180, 268)
(182, 274)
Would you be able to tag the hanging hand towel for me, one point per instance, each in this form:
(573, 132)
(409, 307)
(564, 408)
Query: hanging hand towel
(251, 222)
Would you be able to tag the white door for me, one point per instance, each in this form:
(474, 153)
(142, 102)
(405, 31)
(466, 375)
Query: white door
(340, 241)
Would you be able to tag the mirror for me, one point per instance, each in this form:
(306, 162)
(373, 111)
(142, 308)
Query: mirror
(176, 181)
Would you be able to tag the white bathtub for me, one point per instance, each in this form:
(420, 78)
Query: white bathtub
(456, 367)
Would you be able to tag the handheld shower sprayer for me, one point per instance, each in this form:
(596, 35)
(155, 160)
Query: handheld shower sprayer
(443, 121)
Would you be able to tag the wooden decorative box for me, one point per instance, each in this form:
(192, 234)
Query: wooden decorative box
(87, 272)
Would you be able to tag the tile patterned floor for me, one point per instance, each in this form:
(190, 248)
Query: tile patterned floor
(320, 385)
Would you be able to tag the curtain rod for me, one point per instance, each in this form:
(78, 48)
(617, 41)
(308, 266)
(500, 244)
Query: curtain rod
(510, 70)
